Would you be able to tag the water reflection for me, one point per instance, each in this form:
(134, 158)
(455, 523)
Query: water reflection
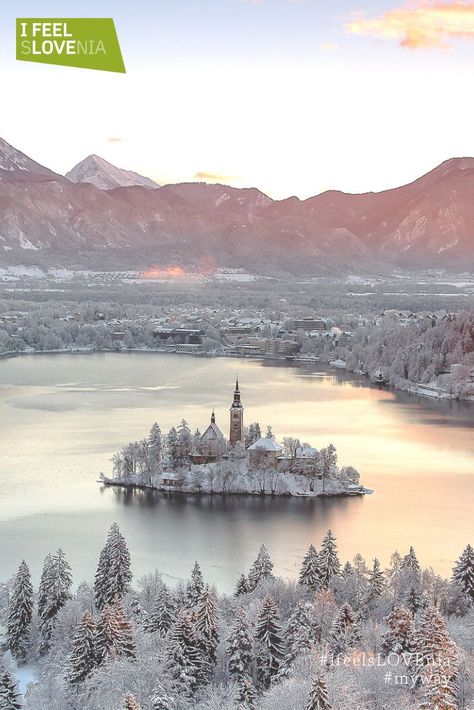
(64, 416)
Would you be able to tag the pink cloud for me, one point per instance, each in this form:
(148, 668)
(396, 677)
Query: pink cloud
(422, 25)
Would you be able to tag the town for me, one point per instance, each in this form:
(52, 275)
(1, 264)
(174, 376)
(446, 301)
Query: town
(245, 463)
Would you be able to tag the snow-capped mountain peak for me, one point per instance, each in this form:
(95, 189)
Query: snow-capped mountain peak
(105, 176)
(15, 165)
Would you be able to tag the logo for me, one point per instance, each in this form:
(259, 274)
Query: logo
(88, 43)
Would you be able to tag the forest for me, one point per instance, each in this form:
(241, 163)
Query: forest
(346, 636)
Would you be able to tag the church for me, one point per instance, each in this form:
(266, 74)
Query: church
(212, 444)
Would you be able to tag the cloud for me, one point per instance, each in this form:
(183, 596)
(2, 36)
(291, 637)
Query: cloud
(212, 177)
(422, 25)
(115, 139)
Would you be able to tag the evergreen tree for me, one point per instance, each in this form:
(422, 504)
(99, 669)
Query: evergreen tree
(160, 700)
(400, 632)
(138, 613)
(242, 586)
(163, 613)
(131, 703)
(239, 647)
(433, 645)
(261, 569)
(376, 584)
(125, 644)
(113, 574)
(347, 570)
(438, 694)
(185, 441)
(268, 634)
(195, 585)
(106, 635)
(246, 693)
(410, 562)
(172, 446)
(310, 575)
(57, 580)
(329, 564)
(414, 599)
(463, 572)
(207, 625)
(182, 673)
(43, 588)
(346, 631)
(155, 446)
(9, 697)
(299, 635)
(193, 663)
(82, 660)
(318, 697)
(20, 612)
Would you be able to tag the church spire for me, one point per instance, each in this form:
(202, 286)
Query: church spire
(213, 417)
(236, 416)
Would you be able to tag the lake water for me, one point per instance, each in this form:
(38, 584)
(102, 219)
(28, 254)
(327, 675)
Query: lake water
(63, 416)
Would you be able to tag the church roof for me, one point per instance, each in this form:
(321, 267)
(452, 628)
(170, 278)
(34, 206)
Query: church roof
(268, 443)
(213, 432)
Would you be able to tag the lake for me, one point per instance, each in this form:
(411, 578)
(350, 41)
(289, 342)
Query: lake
(63, 416)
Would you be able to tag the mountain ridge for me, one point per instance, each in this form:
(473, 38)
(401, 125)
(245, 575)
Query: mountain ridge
(48, 219)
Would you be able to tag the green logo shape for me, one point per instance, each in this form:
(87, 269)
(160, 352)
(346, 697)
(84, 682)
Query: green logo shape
(88, 43)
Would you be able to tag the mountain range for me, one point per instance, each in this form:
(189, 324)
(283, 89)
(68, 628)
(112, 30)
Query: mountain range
(100, 216)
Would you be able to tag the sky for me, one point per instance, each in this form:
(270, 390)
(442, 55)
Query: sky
(291, 96)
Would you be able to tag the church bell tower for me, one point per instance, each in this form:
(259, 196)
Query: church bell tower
(236, 417)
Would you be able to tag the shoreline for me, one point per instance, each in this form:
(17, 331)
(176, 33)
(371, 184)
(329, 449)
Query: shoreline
(107, 482)
(415, 389)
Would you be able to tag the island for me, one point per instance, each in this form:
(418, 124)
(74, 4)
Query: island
(248, 463)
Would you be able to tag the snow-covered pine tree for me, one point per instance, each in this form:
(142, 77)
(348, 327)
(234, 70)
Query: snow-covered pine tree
(463, 572)
(82, 659)
(163, 613)
(414, 600)
(106, 635)
(9, 697)
(181, 673)
(137, 612)
(347, 570)
(438, 694)
(270, 647)
(20, 612)
(130, 702)
(185, 441)
(433, 645)
(207, 625)
(318, 697)
(310, 572)
(160, 700)
(113, 574)
(43, 588)
(346, 630)
(246, 693)
(261, 569)
(155, 446)
(195, 586)
(57, 591)
(124, 644)
(242, 586)
(184, 635)
(239, 647)
(376, 585)
(410, 562)
(329, 563)
(172, 446)
(298, 635)
(399, 636)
